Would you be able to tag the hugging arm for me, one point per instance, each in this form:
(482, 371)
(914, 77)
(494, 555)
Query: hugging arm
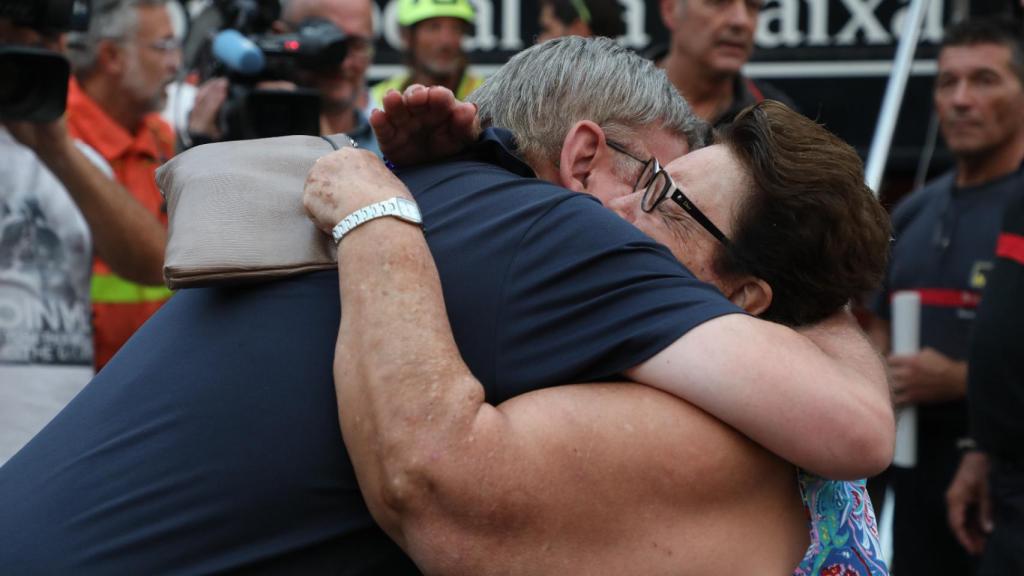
(589, 478)
(819, 398)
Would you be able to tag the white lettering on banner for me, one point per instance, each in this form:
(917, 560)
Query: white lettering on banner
(635, 16)
(862, 17)
(392, 31)
(780, 24)
(484, 39)
(931, 29)
(785, 17)
(511, 31)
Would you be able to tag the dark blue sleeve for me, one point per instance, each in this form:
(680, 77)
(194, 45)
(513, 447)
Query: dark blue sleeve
(995, 379)
(902, 215)
(588, 297)
(209, 443)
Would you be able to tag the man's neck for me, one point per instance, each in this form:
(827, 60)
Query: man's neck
(978, 169)
(113, 101)
(339, 121)
(709, 95)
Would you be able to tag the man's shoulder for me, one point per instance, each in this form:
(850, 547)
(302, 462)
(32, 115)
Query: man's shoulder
(759, 90)
(915, 203)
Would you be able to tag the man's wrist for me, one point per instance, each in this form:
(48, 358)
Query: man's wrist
(399, 208)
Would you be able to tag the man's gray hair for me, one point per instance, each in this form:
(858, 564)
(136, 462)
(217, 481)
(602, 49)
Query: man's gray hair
(110, 20)
(542, 91)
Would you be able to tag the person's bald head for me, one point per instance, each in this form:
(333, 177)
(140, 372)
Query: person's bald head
(354, 17)
(343, 87)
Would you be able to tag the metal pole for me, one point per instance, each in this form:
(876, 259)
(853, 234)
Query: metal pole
(894, 90)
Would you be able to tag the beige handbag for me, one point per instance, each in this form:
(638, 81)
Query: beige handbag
(235, 211)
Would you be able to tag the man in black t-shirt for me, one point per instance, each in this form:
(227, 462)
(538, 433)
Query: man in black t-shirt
(986, 498)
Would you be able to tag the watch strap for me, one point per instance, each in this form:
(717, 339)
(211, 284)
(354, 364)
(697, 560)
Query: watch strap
(396, 207)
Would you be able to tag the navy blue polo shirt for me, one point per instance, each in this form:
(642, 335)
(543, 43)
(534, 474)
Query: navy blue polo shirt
(211, 441)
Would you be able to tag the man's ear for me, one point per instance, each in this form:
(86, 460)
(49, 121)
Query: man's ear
(111, 58)
(668, 13)
(752, 294)
(581, 151)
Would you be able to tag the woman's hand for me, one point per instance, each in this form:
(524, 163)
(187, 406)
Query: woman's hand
(344, 181)
(424, 124)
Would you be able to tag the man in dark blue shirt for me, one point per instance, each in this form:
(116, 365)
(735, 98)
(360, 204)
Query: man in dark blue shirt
(211, 443)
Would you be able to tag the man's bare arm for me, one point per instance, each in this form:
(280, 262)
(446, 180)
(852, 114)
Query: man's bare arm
(820, 401)
(124, 233)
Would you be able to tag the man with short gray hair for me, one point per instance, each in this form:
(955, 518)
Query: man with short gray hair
(122, 66)
(542, 111)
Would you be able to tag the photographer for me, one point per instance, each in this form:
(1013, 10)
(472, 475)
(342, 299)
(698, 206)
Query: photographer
(58, 204)
(122, 66)
(342, 87)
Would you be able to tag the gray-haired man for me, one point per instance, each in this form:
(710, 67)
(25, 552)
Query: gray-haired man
(122, 66)
(230, 457)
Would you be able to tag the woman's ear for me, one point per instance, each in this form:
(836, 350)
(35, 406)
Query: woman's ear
(752, 294)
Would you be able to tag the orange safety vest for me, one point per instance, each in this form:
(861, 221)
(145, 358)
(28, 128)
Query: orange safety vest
(119, 306)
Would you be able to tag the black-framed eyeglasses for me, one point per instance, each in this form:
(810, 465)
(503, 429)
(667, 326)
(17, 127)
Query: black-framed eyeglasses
(658, 185)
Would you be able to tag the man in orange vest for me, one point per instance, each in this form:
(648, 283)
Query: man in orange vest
(122, 66)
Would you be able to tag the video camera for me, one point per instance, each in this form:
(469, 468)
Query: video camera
(34, 85)
(248, 54)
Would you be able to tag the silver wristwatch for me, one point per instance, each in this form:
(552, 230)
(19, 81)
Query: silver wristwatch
(397, 207)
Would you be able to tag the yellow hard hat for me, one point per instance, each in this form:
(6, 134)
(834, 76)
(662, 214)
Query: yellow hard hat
(412, 11)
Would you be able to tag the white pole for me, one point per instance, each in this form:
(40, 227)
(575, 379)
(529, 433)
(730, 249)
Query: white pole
(894, 90)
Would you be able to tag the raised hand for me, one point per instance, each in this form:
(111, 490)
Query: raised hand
(423, 124)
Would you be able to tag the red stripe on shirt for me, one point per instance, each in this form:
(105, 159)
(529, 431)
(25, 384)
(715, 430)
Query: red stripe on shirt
(945, 298)
(1010, 246)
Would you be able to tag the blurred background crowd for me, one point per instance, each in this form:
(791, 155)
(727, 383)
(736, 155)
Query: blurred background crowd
(94, 98)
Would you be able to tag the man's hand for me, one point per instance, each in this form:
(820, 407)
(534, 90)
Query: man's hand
(47, 139)
(424, 124)
(927, 377)
(344, 181)
(968, 506)
(209, 98)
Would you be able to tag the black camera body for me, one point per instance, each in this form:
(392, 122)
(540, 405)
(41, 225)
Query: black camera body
(35, 81)
(248, 54)
(43, 15)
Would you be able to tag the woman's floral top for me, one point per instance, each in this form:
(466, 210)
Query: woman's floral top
(844, 534)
